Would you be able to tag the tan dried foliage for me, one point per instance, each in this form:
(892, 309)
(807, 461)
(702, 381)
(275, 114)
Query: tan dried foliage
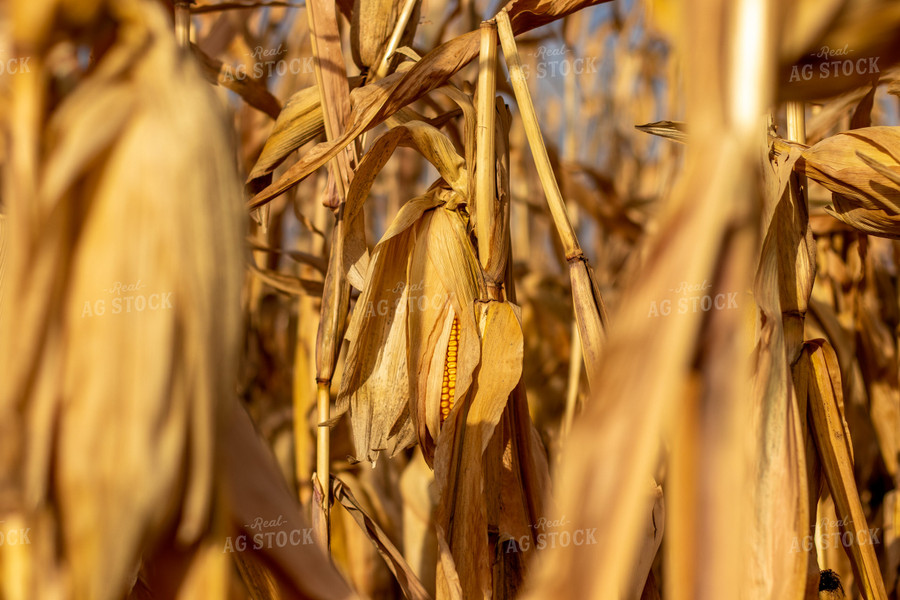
(454, 274)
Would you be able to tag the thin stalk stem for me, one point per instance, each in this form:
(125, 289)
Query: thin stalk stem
(183, 22)
(485, 150)
(576, 356)
(334, 94)
(323, 460)
(535, 139)
(796, 122)
(394, 40)
(576, 360)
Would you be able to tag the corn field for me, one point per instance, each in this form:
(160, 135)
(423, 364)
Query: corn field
(449, 299)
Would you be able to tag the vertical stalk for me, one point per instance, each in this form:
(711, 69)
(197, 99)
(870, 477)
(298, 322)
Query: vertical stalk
(485, 151)
(795, 302)
(535, 140)
(305, 387)
(183, 22)
(590, 311)
(332, 323)
(796, 122)
(331, 76)
(794, 334)
(323, 449)
(576, 357)
(394, 40)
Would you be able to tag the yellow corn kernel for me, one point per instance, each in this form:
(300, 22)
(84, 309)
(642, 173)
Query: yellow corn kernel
(448, 387)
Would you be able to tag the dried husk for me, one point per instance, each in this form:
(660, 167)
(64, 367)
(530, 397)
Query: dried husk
(375, 383)
(461, 464)
(444, 267)
(372, 25)
(423, 273)
(110, 419)
(865, 197)
(400, 286)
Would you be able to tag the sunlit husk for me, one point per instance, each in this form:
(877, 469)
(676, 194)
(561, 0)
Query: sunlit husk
(865, 197)
(422, 275)
(111, 404)
(372, 25)
(444, 267)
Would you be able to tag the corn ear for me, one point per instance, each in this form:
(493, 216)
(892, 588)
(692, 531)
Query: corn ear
(448, 386)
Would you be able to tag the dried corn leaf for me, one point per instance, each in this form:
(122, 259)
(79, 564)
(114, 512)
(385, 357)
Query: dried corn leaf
(871, 221)
(432, 144)
(432, 71)
(299, 121)
(860, 168)
(334, 94)
(677, 131)
(409, 583)
(254, 489)
(288, 284)
(304, 258)
(835, 162)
